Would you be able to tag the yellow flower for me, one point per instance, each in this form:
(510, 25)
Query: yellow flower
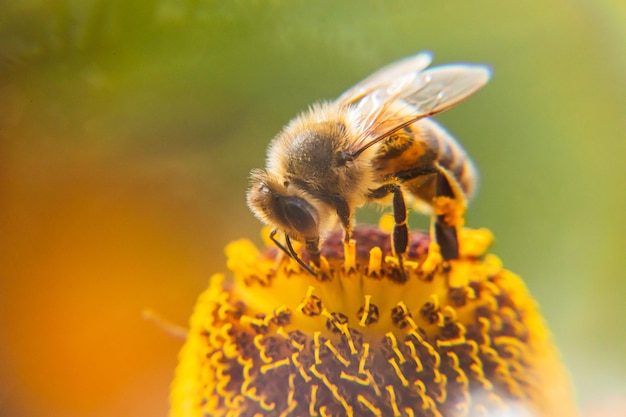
(457, 338)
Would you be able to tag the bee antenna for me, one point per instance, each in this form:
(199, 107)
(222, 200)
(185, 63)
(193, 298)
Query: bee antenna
(297, 258)
(277, 243)
(290, 251)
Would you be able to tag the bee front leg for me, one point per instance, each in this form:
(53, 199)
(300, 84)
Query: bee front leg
(313, 249)
(345, 215)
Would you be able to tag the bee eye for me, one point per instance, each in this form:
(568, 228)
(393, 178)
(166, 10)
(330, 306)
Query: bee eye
(301, 216)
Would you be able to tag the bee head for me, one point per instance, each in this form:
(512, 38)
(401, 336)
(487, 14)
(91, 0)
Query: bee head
(278, 205)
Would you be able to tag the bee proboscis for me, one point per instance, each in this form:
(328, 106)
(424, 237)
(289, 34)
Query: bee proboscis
(375, 143)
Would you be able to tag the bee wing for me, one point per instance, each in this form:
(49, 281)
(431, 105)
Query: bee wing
(385, 76)
(437, 89)
(414, 96)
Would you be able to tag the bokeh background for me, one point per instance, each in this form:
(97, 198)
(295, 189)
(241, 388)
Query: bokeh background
(128, 128)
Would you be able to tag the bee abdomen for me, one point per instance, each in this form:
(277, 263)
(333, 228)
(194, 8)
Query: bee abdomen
(450, 155)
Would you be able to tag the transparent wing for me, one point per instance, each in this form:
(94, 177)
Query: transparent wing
(414, 96)
(437, 89)
(385, 76)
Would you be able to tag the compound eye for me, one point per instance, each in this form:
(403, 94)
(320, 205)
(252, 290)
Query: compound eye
(301, 216)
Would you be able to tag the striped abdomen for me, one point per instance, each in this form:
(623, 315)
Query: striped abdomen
(416, 154)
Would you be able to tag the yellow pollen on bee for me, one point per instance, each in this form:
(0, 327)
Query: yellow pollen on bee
(452, 210)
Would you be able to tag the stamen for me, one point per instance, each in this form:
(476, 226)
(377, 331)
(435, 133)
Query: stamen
(354, 378)
(396, 368)
(394, 346)
(363, 339)
(375, 410)
(366, 310)
(374, 268)
(392, 400)
(314, 388)
(349, 250)
(418, 363)
(335, 352)
(434, 258)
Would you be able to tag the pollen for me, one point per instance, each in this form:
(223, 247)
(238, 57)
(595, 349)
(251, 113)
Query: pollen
(451, 210)
(449, 339)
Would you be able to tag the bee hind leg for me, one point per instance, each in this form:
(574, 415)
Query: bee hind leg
(446, 237)
(449, 211)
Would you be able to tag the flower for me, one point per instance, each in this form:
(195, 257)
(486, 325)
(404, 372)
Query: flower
(456, 338)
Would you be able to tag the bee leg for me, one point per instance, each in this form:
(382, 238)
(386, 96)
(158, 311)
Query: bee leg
(313, 249)
(446, 233)
(400, 240)
(447, 239)
(400, 229)
(345, 216)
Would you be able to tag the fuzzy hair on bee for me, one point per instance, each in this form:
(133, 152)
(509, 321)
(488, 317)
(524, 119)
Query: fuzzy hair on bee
(375, 143)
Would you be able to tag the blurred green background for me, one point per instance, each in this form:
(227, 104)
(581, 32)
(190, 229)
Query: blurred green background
(128, 128)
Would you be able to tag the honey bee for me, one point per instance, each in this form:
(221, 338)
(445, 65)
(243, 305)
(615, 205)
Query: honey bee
(375, 143)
